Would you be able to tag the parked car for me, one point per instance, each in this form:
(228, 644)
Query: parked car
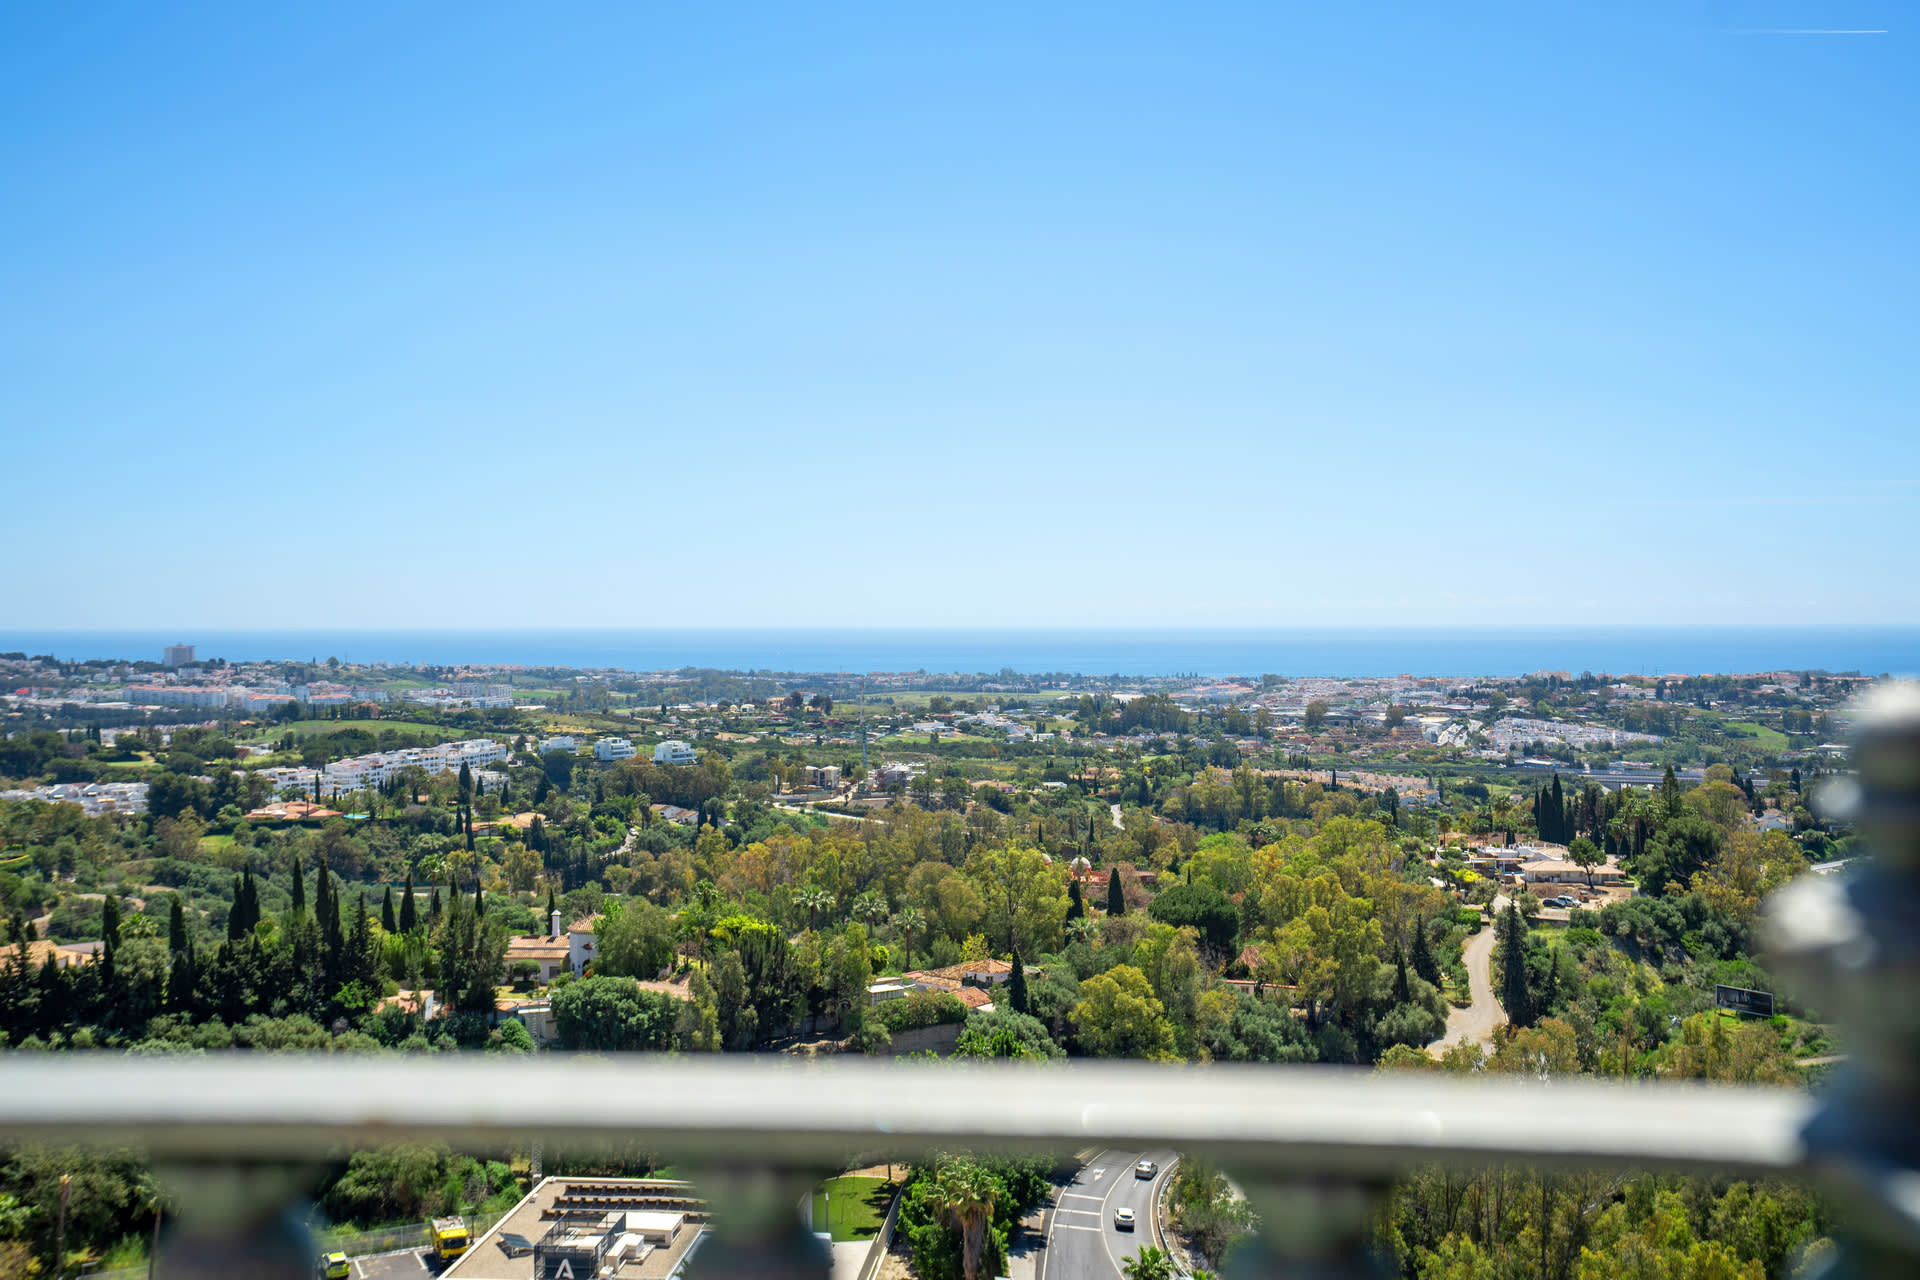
(1123, 1219)
(1145, 1169)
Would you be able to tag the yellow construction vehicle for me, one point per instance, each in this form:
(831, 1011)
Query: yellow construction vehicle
(448, 1238)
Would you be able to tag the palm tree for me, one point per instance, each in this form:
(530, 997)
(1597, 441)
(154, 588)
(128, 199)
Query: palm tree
(1150, 1263)
(815, 900)
(1085, 929)
(870, 908)
(910, 921)
(964, 1194)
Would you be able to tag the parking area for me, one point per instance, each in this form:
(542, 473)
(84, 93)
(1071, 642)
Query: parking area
(408, 1264)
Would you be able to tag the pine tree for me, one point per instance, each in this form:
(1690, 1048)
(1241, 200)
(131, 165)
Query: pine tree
(1116, 896)
(409, 913)
(1422, 957)
(1076, 904)
(1017, 986)
(176, 928)
(387, 920)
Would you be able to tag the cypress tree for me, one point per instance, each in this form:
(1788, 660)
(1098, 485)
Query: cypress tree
(237, 918)
(1670, 792)
(1017, 986)
(433, 908)
(409, 914)
(479, 902)
(1116, 897)
(1515, 995)
(110, 921)
(250, 891)
(1076, 904)
(1559, 807)
(299, 885)
(1402, 989)
(387, 920)
(176, 928)
(552, 906)
(466, 781)
(1422, 957)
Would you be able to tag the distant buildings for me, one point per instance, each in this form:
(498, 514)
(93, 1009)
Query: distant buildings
(608, 750)
(381, 767)
(177, 655)
(94, 798)
(558, 742)
(673, 751)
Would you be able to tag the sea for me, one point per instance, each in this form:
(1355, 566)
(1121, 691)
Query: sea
(1356, 651)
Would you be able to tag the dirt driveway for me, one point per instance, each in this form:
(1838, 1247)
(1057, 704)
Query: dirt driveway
(1477, 1021)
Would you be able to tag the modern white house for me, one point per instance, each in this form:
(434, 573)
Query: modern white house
(673, 751)
(608, 750)
(559, 742)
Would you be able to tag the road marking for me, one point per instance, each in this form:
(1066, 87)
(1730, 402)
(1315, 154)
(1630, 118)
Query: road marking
(1069, 1226)
(1085, 1213)
(1075, 1195)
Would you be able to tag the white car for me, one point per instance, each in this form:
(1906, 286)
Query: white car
(1145, 1169)
(1123, 1219)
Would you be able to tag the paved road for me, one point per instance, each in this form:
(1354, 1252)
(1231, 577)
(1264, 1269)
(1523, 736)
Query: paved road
(1081, 1240)
(1477, 1021)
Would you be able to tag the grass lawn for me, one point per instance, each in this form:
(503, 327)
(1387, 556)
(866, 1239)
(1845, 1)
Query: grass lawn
(859, 1207)
(307, 728)
(211, 843)
(1767, 739)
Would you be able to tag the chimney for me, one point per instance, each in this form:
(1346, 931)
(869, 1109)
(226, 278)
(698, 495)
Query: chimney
(555, 926)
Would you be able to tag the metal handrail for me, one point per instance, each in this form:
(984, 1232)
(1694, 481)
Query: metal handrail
(1283, 1119)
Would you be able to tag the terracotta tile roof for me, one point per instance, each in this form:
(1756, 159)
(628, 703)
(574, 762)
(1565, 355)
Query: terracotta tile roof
(973, 997)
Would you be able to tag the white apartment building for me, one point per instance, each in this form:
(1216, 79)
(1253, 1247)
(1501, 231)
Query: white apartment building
(608, 750)
(673, 751)
(381, 767)
(558, 742)
(177, 695)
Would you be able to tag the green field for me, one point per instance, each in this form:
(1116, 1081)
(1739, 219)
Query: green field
(308, 728)
(859, 1207)
(1763, 737)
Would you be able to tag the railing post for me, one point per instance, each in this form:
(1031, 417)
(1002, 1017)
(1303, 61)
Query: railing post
(1850, 946)
(238, 1220)
(757, 1231)
(1309, 1229)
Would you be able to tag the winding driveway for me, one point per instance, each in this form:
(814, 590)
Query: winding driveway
(1477, 1021)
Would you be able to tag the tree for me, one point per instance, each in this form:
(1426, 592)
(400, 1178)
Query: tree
(1017, 986)
(1201, 907)
(1515, 995)
(176, 927)
(1586, 855)
(611, 1015)
(1116, 894)
(1149, 1263)
(813, 900)
(1119, 1017)
(1421, 956)
(1316, 713)
(1076, 903)
(1002, 1033)
(910, 921)
(388, 921)
(1023, 891)
(409, 914)
(636, 941)
(965, 1194)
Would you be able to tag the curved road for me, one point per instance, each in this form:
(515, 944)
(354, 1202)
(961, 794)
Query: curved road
(1477, 1021)
(1080, 1241)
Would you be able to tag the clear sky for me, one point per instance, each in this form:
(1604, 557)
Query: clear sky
(938, 313)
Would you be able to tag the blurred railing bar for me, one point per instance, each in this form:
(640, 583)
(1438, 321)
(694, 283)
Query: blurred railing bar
(776, 1112)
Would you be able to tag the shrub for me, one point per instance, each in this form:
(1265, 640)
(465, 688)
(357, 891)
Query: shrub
(921, 1009)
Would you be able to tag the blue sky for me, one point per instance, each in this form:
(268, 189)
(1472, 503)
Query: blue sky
(942, 314)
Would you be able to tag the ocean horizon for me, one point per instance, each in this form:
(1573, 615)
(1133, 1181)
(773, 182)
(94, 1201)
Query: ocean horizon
(1321, 651)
